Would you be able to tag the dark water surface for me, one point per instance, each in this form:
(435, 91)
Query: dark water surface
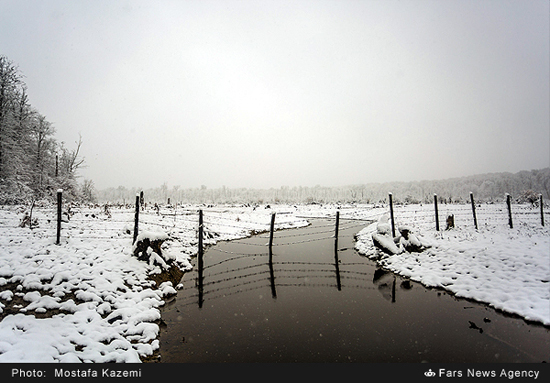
(309, 303)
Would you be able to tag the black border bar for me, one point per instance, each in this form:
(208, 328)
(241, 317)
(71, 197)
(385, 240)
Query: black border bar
(410, 372)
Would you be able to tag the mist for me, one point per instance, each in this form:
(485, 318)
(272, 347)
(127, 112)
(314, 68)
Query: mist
(261, 94)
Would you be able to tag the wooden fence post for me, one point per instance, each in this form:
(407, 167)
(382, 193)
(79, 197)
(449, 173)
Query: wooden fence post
(271, 230)
(391, 215)
(541, 212)
(59, 201)
(337, 225)
(32, 207)
(200, 249)
(436, 213)
(509, 204)
(201, 262)
(473, 209)
(136, 219)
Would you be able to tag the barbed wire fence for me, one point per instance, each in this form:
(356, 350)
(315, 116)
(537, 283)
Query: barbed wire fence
(182, 223)
(198, 228)
(441, 216)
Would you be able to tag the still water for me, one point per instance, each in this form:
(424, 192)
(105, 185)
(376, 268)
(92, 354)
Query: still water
(317, 300)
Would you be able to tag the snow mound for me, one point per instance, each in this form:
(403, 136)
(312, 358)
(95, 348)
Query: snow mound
(405, 242)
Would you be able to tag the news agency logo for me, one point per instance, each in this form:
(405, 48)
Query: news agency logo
(429, 373)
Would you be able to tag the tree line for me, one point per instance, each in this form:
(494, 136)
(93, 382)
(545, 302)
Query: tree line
(524, 186)
(33, 165)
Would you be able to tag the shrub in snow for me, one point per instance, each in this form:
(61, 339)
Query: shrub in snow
(148, 248)
(529, 196)
(27, 220)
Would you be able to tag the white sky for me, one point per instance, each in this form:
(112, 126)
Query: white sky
(297, 93)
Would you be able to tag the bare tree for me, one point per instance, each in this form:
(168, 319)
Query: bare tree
(88, 191)
(69, 162)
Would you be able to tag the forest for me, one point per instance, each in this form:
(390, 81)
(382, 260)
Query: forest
(33, 165)
(524, 187)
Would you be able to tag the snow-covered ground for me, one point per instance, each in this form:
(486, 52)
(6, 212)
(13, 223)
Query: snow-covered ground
(89, 299)
(507, 268)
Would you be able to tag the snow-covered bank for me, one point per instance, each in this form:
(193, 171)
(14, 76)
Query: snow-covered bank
(509, 269)
(89, 299)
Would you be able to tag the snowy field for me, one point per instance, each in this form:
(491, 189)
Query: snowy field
(507, 268)
(90, 300)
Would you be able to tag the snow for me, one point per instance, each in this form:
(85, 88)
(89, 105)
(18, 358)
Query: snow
(152, 236)
(509, 269)
(90, 299)
(97, 298)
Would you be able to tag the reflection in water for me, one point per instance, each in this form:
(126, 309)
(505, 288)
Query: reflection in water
(386, 283)
(272, 275)
(306, 273)
(336, 265)
(301, 273)
(242, 279)
(319, 301)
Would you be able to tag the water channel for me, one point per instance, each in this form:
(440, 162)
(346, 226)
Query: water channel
(314, 300)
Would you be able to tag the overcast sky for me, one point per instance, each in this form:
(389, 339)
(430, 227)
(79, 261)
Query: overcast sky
(270, 93)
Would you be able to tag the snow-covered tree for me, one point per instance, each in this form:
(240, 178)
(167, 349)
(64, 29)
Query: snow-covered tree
(29, 153)
(10, 85)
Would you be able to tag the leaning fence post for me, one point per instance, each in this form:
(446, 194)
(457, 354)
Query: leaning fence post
(136, 219)
(473, 209)
(59, 201)
(541, 212)
(436, 213)
(391, 215)
(271, 230)
(509, 204)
